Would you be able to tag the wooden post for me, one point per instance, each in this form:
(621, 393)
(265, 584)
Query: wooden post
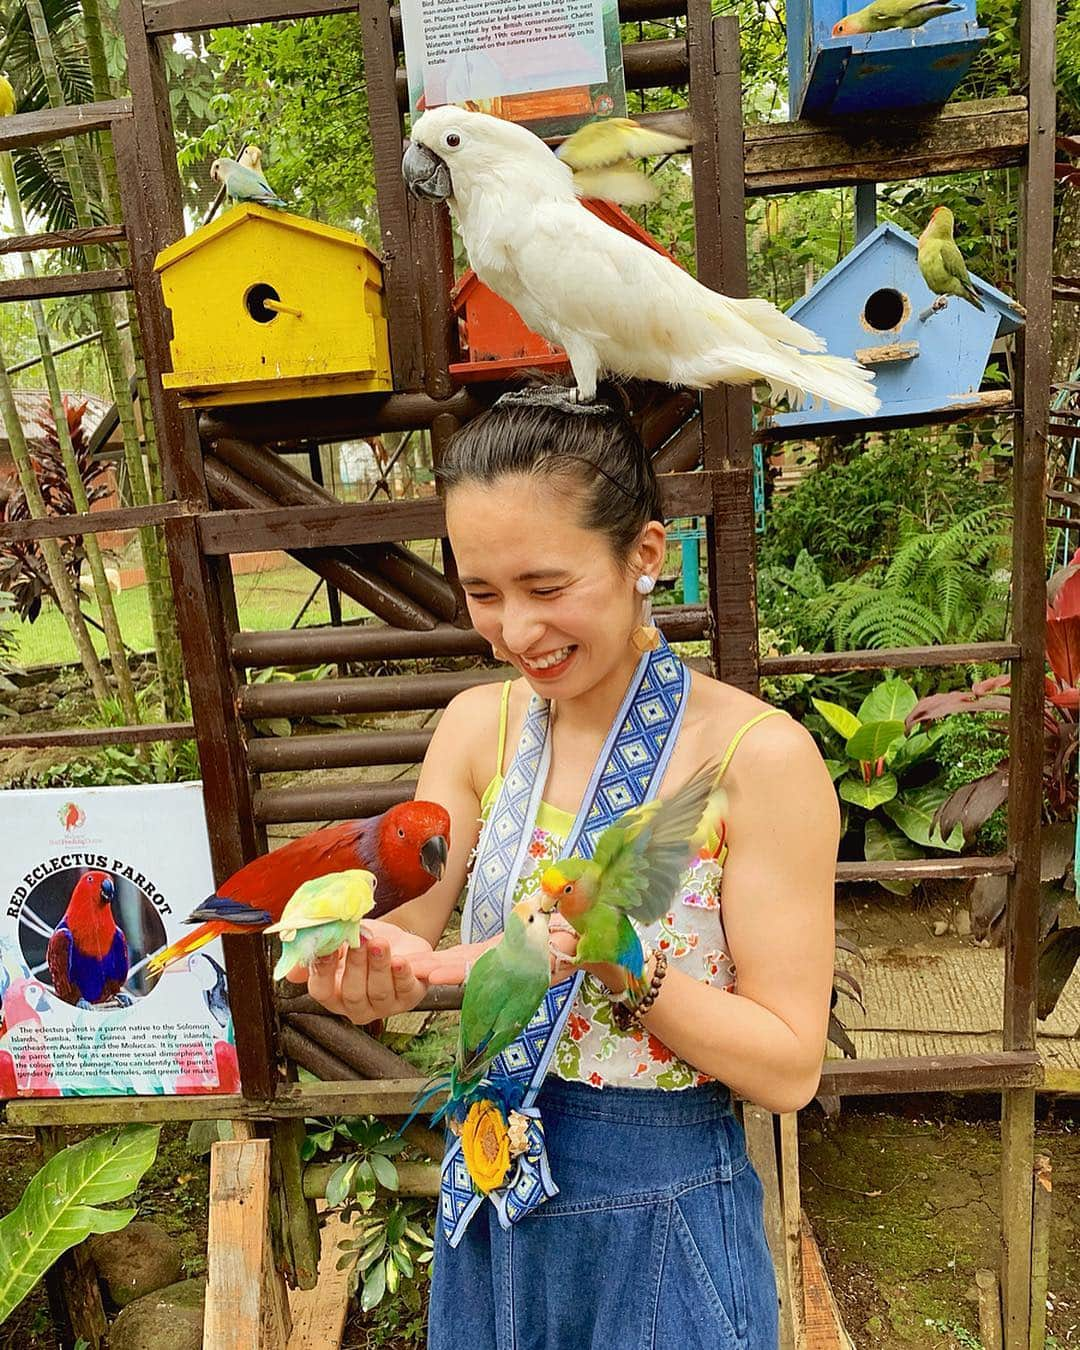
(989, 1287)
(71, 1282)
(297, 1218)
(791, 1213)
(246, 1304)
(1041, 1211)
(761, 1148)
(1017, 1149)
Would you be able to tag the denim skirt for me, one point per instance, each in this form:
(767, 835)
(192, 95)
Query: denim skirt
(654, 1242)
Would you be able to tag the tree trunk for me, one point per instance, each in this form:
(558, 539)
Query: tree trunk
(124, 685)
(169, 667)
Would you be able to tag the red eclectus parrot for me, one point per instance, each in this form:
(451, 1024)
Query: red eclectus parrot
(633, 874)
(406, 849)
(88, 952)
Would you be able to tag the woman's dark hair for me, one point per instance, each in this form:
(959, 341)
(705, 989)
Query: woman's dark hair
(538, 430)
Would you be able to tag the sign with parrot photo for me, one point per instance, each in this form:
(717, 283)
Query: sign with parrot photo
(92, 882)
(549, 64)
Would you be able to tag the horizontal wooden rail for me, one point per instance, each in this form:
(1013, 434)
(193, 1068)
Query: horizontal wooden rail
(91, 736)
(346, 750)
(975, 134)
(71, 283)
(890, 658)
(378, 642)
(992, 403)
(351, 524)
(53, 124)
(194, 16)
(1070, 430)
(989, 1072)
(292, 806)
(366, 694)
(80, 238)
(337, 418)
(926, 869)
(91, 522)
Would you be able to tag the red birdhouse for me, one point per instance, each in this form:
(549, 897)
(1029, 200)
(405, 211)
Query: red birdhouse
(494, 338)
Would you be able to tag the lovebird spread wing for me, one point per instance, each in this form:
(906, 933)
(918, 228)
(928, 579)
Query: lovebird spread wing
(643, 857)
(602, 155)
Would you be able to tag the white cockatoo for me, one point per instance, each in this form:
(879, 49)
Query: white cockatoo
(243, 184)
(612, 303)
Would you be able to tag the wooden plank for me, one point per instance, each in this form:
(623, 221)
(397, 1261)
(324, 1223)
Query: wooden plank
(246, 1302)
(376, 693)
(86, 736)
(1017, 1154)
(989, 1290)
(824, 1329)
(318, 1315)
(33, 243)
(960, 1073)
(290, 806)
(1041, 1212)
(976, 134)
(91, 522)
(791, 1214)
(53, 124)
(72, 283)
(917, 869)
(761, 1149)
(343, 750)
(890, 658)
(355, 523)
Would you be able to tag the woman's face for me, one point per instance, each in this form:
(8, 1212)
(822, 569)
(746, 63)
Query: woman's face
(540, 586)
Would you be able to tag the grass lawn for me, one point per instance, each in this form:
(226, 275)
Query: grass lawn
(264, 599)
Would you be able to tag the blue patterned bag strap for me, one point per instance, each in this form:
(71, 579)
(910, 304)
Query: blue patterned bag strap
(629, 770)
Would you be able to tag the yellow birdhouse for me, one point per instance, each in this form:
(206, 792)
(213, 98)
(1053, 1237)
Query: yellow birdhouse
(266, 305)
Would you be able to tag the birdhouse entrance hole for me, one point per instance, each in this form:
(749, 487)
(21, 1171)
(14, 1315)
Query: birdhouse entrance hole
(885, 309)
(255, 302)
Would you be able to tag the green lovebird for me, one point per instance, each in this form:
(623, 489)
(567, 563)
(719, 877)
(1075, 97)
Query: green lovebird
(885, 14)
(322, 914)
(634, 872)
(941, 262)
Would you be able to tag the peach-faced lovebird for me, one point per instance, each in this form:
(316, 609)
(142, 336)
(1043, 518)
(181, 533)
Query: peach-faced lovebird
(881, 15)
(502, 993)
(601, 155)
(941, 262)
(634, 871)
(406, 848)
(321, 915)
(88, 953)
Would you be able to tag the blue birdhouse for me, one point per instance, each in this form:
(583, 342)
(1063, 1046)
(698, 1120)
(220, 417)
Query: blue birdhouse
(875, 306)
(870, 73)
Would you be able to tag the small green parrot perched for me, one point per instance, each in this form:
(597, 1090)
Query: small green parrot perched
(601, 155)
(634, 872)
(941, 262)
(243, 184)
(322, 914)
(502, 993)
(881, 15)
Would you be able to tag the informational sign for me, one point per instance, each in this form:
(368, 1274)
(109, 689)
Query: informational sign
(92, 882)
(551, 64)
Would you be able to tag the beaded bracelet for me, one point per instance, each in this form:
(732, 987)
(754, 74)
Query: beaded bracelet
(627, 1015)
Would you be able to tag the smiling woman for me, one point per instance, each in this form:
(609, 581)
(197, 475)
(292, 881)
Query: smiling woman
(554, 516)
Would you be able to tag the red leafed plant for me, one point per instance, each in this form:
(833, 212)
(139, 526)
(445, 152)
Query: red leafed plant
(23, 573)
(972, 805)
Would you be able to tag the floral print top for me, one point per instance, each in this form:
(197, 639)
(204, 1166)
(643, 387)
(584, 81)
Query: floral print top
(592, 1049)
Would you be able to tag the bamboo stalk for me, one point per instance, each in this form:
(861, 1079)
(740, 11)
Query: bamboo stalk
(118, 656)
(114, 362)
(1041, 1211)
(421, 1179)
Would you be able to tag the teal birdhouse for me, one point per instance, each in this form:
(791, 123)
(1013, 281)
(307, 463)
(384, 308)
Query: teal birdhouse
(874, 306)
(869, 73)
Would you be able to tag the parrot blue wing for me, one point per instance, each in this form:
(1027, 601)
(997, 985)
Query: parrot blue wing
(115, 966)
(231, 911)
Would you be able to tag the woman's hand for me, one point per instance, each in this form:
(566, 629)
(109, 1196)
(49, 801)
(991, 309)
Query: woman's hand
(373, 981)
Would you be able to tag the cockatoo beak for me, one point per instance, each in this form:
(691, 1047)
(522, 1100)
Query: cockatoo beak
(425, 174)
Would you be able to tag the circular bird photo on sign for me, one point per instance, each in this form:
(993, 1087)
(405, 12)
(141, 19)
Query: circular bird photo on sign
(85, 934)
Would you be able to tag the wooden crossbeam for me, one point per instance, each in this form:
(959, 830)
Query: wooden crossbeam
(83, 237)
(53, 124)
(90, 522)
(72, 283)
(890, 658)
(86, 736)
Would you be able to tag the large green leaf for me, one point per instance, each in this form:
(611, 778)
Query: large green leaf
(889, 701)
(837, 768)
(842, 721)
(57, 1209)
(911, 751)
(881, 843)
(873, 739)
(914, 813)
(869, 795)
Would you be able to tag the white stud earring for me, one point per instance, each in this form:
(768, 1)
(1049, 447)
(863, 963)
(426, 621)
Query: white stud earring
(645, 584)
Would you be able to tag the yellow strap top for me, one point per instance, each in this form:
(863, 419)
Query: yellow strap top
(554, 811)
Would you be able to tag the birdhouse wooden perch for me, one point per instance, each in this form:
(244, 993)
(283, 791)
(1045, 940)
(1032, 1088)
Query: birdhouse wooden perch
(267, 305)
(870, 73)
(495, 340)
(874, 306)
